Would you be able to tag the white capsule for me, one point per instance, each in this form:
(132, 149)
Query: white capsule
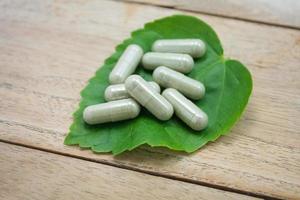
(180, 62)
(186, 110)
(118, 91)
(194, 47)
(169, 78)
(111, 111)
(142, 92)
(126, 64)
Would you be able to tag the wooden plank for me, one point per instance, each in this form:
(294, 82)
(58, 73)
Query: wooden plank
(32, 174)
(276, 12)
(50, 49)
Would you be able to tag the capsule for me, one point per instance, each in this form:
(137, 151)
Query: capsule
(169, 78)
(118, 91)
(142, 92)
(194, 47)
(183, 63)
(111, 111)
(126, 64)
(186, 110)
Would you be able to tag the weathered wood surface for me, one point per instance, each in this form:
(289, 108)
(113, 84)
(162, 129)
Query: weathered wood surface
(32, 174)
(275, 12)
(48, 51)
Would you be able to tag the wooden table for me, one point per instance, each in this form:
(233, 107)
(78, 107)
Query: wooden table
(48, 51)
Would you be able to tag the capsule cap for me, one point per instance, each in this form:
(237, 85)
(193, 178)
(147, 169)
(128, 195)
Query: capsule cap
(199, 121)
(135, 108)
(88, 116)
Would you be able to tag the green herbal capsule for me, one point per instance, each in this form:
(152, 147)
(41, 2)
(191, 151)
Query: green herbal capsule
(143, 93)
(126, 64)
(183, 63)
(194, 47)
(169, 78)
(186, 110)
(111, 111)
(118, 91)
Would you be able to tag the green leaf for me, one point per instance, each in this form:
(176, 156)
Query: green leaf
(228, 87)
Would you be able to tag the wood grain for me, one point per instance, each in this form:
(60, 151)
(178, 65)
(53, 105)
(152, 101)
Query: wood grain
(276, 12)
(50, 49)
(32, 174)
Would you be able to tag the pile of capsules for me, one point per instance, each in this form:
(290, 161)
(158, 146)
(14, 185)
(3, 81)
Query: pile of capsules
(170, 59)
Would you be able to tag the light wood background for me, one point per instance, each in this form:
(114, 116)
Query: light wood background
(284, 13)
(32, 174)
(48, 51)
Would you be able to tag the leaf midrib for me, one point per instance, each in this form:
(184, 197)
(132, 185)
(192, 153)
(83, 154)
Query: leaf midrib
(222, 91)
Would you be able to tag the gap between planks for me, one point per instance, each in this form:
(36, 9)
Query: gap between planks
(127, 167)
(212, 14)
(80, 179)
